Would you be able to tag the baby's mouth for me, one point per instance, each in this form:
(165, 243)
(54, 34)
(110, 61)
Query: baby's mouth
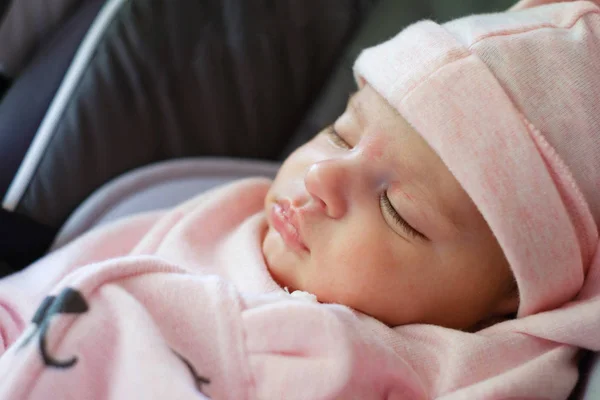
(285, 221)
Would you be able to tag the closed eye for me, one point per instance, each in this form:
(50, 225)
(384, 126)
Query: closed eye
(336, 139)
(388, 208)
(384, 200)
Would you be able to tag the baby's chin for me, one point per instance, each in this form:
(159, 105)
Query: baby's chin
(278, 260)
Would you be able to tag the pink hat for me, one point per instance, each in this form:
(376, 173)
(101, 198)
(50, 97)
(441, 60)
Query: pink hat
(511, 104)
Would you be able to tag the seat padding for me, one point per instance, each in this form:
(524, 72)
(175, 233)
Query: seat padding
(157, 186)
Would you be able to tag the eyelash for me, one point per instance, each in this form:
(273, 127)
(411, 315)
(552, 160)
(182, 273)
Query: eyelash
(385, 202)
(383, 199)
(336, 138)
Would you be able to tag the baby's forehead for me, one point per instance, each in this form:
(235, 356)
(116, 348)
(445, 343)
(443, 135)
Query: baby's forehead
(392, 141)
(366, 105)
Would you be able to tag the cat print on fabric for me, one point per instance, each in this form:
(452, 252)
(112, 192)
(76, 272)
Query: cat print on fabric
(69, 301)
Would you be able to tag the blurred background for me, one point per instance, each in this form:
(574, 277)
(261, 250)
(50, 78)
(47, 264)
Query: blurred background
(93, 89)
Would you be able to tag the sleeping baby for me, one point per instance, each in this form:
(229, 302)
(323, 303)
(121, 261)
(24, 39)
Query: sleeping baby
(438, 240)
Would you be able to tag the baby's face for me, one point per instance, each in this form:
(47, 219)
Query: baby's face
(373, 219)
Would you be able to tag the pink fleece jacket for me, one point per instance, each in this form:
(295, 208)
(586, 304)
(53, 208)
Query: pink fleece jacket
(179, 304)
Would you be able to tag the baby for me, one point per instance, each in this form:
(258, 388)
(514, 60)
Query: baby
(366, 214)
(447, 223)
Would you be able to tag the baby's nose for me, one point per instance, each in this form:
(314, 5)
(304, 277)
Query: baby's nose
(327, 183)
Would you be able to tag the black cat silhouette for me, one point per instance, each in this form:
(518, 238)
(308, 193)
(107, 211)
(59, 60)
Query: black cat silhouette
(69, 301)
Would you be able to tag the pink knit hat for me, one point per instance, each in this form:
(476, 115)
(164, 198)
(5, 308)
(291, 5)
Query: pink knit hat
(511, 104)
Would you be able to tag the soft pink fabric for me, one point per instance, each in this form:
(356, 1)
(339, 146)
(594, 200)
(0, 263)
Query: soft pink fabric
(180, 305)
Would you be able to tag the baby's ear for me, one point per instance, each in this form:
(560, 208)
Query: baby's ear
(522, 4)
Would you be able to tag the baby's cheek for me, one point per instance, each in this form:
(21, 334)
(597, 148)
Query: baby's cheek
(343, 276)
(277, 258)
